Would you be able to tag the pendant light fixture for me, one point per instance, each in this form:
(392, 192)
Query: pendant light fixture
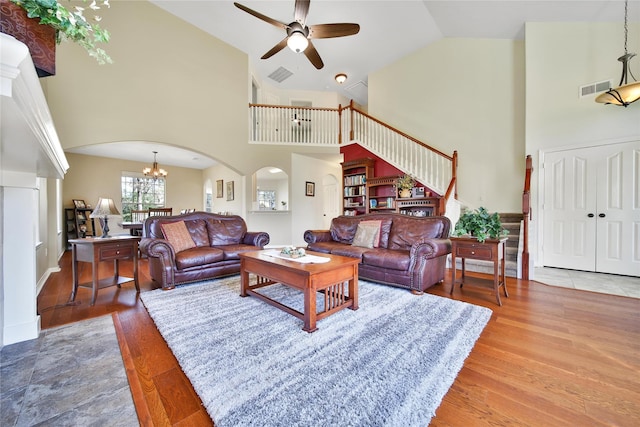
(626, 92)
(154, 171)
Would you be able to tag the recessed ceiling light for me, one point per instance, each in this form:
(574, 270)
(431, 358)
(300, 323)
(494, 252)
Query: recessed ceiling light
(341, 78)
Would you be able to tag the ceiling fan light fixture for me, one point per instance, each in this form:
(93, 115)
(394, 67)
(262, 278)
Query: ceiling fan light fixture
(341, 78)
(626, 92)
(297, 42)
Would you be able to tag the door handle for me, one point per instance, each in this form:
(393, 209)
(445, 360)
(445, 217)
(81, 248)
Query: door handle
(601, 215)
(590, 215)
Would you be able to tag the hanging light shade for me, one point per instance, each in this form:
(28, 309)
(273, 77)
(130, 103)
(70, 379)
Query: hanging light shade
(628, 90)
(154, 171)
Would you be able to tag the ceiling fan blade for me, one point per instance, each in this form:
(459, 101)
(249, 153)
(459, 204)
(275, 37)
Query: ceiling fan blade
(261, 16)
(312, 54)
(327, 31)
(277, 48)
(301, 10)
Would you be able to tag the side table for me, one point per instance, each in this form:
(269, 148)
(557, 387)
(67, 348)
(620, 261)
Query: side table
(97, 249)
(491, 250)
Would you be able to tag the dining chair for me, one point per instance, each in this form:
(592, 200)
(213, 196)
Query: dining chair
(160, 211)
(138, 216)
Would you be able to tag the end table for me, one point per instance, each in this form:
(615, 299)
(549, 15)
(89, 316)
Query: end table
(491, 250)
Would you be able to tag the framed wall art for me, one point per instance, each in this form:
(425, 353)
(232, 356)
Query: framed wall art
(310, 189)
(229, 190)
(219, 188)
(79, 204)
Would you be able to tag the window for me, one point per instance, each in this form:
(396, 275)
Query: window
(140, 192)
(266, 200)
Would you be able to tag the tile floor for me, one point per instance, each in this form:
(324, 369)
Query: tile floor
(596, 282)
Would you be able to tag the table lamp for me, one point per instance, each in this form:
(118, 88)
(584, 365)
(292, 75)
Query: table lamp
(104, 208)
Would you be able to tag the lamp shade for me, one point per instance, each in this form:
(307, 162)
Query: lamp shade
(104, 208)
(621, 95)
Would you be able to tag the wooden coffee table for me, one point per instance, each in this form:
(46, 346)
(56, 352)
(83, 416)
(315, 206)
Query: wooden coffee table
(327, 278)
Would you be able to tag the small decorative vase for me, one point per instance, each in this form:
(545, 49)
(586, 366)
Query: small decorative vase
(405, 193)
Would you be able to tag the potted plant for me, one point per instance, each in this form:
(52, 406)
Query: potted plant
(71, 24)
(480, 224)
(404, 184)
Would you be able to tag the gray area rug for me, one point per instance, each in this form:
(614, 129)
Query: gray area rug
(389, 363)
(72, 375)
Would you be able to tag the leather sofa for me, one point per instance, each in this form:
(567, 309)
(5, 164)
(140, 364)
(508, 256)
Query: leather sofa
(212, 251)
(411, 253)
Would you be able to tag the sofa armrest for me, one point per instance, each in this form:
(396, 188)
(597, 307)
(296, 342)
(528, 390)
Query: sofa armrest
(431, 248)
(256, 238)
(314, 236)
(158, 248)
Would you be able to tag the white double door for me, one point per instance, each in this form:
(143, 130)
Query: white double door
(591, 209)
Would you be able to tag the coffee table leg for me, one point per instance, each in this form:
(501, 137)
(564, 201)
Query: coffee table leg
(309, 309)
(244, 280)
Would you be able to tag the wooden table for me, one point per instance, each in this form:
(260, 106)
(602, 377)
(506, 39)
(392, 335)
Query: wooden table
(491, 250)
(97, 249)
(328, 278)
(135, 228)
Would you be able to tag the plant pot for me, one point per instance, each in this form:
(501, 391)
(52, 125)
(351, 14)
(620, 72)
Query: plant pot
(40, 39)
(405, 194)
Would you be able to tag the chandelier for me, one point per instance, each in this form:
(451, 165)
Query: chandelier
(626, 92)
(154, 171)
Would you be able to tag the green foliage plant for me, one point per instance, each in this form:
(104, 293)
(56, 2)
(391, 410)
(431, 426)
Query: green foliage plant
(405, 182)
(71, 24)
(480, 224)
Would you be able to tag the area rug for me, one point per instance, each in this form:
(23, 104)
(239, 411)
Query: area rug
(72, 375)
(389, 363)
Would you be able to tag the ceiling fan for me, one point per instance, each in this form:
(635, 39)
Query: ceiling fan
(299, 35)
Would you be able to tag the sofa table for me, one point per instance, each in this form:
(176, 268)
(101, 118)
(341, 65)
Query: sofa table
(97, 249)
(491, 250)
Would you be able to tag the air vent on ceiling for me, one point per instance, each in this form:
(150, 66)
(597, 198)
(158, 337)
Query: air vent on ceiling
(358, 89)
(280, 75)
(592, 88)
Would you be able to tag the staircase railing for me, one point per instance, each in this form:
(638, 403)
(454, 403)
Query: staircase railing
(526, 215)
(275, 124)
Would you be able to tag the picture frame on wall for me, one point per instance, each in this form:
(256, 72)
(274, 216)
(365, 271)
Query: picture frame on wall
(79, 204)
(229, 190)
(219, 189)
(310, 189)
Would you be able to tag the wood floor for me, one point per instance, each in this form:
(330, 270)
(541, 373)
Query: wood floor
(549, 356)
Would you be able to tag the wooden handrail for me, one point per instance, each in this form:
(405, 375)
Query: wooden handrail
(527, 215)
(399, 132)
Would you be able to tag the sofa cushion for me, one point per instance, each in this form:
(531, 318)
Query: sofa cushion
(387, 258)
(177, 234)
(350, 251)
(226, 231)
(343, 229)
(323, 247)
(366, 235)
(198, 256)
(233, 251)
(407, 231)
(198, 230)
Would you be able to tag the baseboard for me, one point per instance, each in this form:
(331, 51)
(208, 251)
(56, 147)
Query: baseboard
(21, 332)
(44, 278)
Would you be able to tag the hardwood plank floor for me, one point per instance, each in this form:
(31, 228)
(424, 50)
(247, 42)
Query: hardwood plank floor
(549, 355)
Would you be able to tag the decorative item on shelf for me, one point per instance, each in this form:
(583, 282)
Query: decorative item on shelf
(480, 224)
(293, 252)
(154, 171)
(71, 25)
(104, 208)
(404, 184)
(626, 92)
(83, 231)
(284, 205)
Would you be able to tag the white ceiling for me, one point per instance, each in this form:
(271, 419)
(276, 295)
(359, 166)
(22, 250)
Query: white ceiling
(389, 30)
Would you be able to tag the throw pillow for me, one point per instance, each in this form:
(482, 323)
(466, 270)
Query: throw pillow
(375, 224)
(365, 236)
(178, 235)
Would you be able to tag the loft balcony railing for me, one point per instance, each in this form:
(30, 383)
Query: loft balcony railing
(305, 126)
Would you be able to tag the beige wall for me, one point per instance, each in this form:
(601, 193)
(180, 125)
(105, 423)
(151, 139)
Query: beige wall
(465, 95)
(90, 178)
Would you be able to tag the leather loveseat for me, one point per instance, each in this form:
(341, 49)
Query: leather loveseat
(411, 251)
(196, 246)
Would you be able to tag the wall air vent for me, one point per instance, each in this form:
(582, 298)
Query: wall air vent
(594, 88)
(280, 75)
